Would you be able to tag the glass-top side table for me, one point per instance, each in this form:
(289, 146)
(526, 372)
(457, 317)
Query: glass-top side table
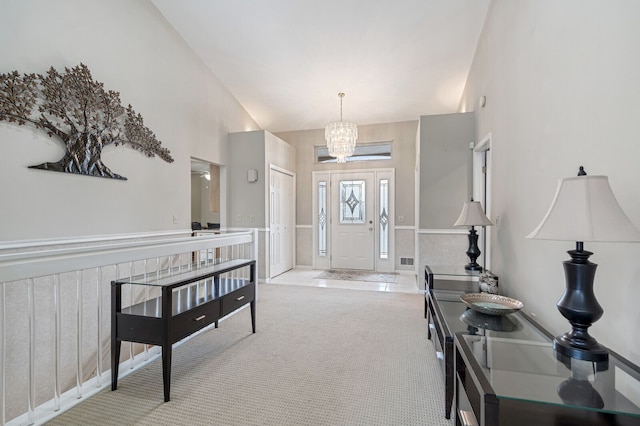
(501, 380)
(447, 316)
(181, 275)
(453, 271)
(449, 273)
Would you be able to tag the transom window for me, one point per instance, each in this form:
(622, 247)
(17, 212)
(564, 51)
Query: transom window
(363, 152)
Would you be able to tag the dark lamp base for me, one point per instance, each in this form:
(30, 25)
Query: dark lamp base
(473, 252)
(579, 305)
(473, 267)
(579, 349)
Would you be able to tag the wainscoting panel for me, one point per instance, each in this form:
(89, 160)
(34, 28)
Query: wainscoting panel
(441, 249)
(304, 242)
(405, 248)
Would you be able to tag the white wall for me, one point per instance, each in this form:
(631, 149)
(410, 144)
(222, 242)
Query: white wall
(129, 47)
(562, 89)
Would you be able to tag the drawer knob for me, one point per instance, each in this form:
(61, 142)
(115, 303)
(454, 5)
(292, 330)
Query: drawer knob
(467, 418)
(239, 298)
(200, 318)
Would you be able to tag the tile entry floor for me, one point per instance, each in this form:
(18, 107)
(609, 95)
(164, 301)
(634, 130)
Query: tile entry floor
(406, 283)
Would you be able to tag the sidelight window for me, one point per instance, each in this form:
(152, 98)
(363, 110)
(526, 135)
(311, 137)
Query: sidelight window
(322, 218)
(384, 219)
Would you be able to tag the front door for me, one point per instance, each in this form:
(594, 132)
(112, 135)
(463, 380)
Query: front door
(352, 216)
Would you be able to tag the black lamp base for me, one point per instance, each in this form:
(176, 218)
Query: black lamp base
(579, 305)
(473, 251)
(592, 351)
(473, 267)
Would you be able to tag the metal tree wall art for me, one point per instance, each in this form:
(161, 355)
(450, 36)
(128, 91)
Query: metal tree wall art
(76, 110)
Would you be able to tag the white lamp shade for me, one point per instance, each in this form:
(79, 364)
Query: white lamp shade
(585, 209)
(472, 215)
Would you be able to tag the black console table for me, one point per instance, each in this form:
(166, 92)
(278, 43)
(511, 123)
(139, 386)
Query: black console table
(502, 370)
(514, 377)
(442, 308)
(449, 278)
(190, 299)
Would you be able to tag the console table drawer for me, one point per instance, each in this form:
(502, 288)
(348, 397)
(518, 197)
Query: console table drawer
(195, 319)
(237, 298)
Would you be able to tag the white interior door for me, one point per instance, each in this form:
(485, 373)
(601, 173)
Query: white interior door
(281, 215)
(352, 216)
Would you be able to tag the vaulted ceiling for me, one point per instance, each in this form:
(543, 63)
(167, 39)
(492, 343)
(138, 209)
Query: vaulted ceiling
(287, 60)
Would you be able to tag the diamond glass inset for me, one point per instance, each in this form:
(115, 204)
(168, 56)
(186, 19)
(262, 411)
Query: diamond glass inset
(352, 202)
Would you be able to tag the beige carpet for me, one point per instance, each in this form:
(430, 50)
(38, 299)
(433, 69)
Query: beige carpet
(320, 357)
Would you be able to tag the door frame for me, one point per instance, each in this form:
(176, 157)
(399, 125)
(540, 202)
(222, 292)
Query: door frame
(482, 184)
(323, 261)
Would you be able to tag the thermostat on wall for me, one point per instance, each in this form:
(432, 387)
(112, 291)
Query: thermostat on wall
(252, 175)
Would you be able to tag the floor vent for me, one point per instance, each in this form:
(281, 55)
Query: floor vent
(406, 260)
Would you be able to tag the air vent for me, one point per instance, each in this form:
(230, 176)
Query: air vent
(406, 260)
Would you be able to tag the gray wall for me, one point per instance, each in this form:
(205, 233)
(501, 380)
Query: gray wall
(200, 196)
(254, 150)
(245, 199)
(131, 49)
(445, 168)
(248, 203)
(562, 90)
(196, 198)
(403, 137)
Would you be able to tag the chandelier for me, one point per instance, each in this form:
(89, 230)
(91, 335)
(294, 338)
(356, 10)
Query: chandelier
(341, 137)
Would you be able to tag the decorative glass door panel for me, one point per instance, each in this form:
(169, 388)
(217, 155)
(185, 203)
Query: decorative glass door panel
(352, 202)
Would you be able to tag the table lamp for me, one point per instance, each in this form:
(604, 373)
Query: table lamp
(472, 215)
(583, 209)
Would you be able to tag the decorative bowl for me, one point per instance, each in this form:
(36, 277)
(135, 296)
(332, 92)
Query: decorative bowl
(490, 322)
(492, 304)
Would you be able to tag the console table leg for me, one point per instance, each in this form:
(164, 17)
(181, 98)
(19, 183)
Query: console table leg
(425, 307)
(115, 362)
(252, 306)
(116, 307)
(449, 378)
(166, 370)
